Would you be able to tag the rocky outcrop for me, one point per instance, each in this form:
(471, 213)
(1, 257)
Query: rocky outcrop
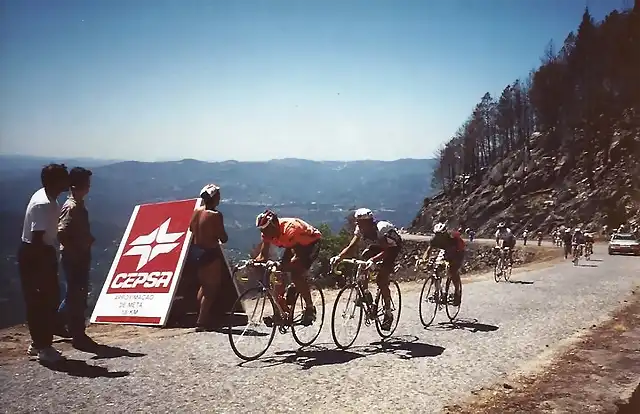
(545, 193)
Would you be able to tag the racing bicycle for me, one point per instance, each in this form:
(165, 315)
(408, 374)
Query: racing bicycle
(502, 266)
(267, 310)
(355, 301)
(577, 252)
(588, 250)
(437, 291)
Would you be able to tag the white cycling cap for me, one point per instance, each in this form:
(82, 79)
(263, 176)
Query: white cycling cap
(209, 190)
(363, 213)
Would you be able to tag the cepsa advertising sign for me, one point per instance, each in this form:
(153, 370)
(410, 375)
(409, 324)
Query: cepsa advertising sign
(143, 278)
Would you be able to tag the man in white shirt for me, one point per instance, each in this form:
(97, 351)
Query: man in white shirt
(38, 262)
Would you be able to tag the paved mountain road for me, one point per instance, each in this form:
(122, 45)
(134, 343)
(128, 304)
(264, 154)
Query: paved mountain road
(417, 371)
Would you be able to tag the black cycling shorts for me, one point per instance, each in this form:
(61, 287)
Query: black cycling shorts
(306, 254)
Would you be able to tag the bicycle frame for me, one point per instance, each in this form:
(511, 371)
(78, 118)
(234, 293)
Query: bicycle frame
(441, 283)
(437, 265)
(357, 281)
(270, 269)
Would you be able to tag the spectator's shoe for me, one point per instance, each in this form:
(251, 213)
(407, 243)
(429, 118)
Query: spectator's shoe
(49, 355)
(62, 332)
(32, 350)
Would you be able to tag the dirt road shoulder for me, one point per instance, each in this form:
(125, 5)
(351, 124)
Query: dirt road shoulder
(598, 374)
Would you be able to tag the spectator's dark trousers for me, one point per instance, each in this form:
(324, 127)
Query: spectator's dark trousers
(76, 266)
(38, 266)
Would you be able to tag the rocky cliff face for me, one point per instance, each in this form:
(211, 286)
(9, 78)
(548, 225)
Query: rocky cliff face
(545, 192)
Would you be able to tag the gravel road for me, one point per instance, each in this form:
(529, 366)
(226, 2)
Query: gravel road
(419, 370)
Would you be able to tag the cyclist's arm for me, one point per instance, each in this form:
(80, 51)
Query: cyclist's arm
(377, 256)
(350, 246)
(263, 254)
(427, 252)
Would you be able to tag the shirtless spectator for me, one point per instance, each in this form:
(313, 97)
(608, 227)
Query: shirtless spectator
(208, 230)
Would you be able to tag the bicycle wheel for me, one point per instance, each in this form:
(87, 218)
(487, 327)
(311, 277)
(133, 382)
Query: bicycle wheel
(396, 308)
(306, 335)
(452, 311)
(497, 270)
(507, 273)
(428, 305)
(349, 312)
(258, 304)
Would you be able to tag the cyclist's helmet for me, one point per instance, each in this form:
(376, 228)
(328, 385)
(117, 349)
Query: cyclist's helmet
(363, 214)
(501, 225)
(209, 191)
(266, 218)
(576, 230)
(440, 228)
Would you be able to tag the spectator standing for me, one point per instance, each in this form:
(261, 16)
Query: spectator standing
(38, 262)
(74, 234)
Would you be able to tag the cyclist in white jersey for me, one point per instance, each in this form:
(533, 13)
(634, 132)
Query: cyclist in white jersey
(385, 244)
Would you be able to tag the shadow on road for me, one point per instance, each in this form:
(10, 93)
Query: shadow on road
(101, 351)
(468, 325)
(78, 368)
(595, 260)
(225, 331)
(521, 282)
(307, 358)
(107, 352)
(586, 265)
(405, 347)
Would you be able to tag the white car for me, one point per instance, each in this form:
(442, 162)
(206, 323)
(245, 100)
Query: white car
(624, 243)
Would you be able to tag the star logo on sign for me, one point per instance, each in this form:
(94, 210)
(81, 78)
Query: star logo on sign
(149, 246)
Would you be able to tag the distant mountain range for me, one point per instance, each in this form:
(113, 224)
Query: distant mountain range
(317, 191)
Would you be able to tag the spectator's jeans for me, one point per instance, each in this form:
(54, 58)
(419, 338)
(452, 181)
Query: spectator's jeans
(72, 309)
(38, 267)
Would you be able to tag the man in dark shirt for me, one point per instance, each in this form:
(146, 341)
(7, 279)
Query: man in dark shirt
(453, 245)
(566, 240)
(75, 239)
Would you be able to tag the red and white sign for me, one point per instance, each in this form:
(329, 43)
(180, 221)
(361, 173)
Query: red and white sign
(140, 286)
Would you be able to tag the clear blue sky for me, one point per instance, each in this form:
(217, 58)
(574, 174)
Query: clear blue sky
(255, 80)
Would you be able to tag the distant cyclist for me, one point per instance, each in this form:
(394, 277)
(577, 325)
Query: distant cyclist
(207, 226)
(301, 242)
(453, 247)
(578, 239)
(506, 238)
(588, 241)
(385, 245)
(566, 240)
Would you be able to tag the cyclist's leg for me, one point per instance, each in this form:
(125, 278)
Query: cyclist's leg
(388, 263)
(298, 266)
(455, 264)
(367, 254)
(454, 273)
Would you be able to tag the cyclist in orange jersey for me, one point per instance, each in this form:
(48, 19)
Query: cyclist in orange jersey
(301, 242)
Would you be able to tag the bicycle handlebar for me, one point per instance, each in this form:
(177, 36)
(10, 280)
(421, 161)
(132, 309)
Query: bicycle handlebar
(358, 262)
(272, 265)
